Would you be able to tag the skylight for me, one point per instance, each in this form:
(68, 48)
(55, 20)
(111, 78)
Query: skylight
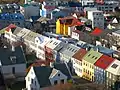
(114, 66)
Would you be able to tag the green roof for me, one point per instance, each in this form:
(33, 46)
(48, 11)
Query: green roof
(92, 56)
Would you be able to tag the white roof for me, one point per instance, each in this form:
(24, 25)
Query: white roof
(23, 32)
(114, 68)
(53, 43)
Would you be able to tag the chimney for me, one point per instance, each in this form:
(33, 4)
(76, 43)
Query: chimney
(52, 64)
(13, 48)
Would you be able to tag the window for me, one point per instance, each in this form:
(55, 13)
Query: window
(35, 83)
(62, 81)
(89, 55)
(55, 82)
(28, 78)
(93, 56)
(13, 70)
(31, 80)
(58, 74)
(114, 66)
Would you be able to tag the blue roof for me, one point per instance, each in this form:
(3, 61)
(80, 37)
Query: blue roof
(13, 16)
(35, 18)
(104, 50)
(41, 39)
(74, 4)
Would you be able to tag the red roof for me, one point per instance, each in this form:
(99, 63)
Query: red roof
(10, 26)
(97, 32)
(80, 54)
(49, 7)
(104, 61)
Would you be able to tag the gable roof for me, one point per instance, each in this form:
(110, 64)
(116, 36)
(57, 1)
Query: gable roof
(104, 61)
(114, 68)
(53, 43)
(63, 68)
(80, 54)
(42, 74)
(17, 30)
(23, 32)
(31, 36)
(7, 54)
(92, 56)
(69, 50)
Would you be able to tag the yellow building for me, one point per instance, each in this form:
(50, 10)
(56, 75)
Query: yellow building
(88, 64)
(62, 25)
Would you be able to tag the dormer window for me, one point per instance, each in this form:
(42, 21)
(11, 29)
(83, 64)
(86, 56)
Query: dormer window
(13, 59)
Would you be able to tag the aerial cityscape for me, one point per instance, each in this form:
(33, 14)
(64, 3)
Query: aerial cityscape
(59, 44)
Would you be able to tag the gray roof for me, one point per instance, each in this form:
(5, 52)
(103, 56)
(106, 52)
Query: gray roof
(17, 30)
(69, 50)
(6, 55)
(63, 68)
(42, 74)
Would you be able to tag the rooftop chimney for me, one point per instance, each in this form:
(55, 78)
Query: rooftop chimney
(13, 48)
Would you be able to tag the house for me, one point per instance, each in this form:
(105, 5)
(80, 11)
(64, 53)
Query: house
(32, 9)
(97, 18)
(9, 8)
(46, 9)
(52, 48)
(15, 18)
(106, 7)
(113, 75)
(87, 2)
(11, 33)
(29, 40)
(116, 35)
(40, 42)
(62, 25)
(100, 68)
(77, 61)
(41, 77)
(12, 63)
(67, 52)
(88, 64)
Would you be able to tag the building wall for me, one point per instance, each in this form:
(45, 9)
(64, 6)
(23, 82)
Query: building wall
(77, 66)
(20, 69)
(100, 75)
(58, 29)
(59, 76)
(111, 80)
(31, 80)
(88, 70)
(87, 2)
(75, 35)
